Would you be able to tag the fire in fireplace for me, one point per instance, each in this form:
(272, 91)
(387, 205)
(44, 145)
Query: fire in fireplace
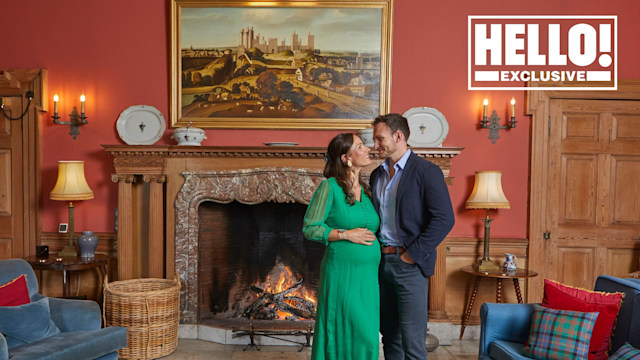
(282, 297)
(255, 264)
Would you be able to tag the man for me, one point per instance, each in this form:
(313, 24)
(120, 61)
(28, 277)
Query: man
(415, 211)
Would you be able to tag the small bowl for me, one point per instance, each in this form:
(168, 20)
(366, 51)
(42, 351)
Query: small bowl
(189, 136)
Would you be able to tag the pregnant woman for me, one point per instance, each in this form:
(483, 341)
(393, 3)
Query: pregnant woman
(341, 216)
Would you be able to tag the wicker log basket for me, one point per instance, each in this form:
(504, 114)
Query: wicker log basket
(149, 309)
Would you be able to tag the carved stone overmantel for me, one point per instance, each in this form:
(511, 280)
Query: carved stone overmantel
(252, 186)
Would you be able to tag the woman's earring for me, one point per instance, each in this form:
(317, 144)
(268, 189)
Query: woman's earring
(349, 163)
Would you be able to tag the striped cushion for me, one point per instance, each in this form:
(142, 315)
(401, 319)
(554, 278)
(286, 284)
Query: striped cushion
(559, 334)
(626, 352)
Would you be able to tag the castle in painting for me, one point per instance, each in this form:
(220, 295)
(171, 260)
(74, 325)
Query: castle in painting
(249, 39)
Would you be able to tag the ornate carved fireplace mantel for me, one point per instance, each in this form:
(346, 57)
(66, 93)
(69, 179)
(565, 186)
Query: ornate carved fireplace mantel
(154, 180)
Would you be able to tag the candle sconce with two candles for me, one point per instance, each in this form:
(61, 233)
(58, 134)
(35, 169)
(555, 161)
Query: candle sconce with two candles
(493, 123)
(75, 119)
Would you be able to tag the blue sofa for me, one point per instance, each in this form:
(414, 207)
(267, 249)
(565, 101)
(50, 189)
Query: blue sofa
(505, 327)
(81, 334)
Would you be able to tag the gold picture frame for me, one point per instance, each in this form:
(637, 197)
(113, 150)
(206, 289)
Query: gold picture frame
(318, 65)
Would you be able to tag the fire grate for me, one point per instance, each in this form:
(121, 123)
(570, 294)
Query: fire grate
(252, 333)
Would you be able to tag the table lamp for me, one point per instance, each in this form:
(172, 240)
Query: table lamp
(487, 194)
(70, 186)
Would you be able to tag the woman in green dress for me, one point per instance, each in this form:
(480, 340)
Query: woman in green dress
(341, 216)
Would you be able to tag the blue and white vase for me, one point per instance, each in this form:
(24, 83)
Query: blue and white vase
(87, 243)
(510, 262)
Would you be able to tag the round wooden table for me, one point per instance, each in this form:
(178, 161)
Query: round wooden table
(67, 265)
(499, 275)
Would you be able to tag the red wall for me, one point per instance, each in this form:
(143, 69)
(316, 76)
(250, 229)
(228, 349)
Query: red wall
(116, 52)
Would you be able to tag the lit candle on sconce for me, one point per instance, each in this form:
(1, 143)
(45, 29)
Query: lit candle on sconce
(55, 104)
(82, 99)
(513, 121)
(484, 121)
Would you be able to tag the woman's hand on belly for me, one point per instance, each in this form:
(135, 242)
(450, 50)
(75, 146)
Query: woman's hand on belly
(361, 236)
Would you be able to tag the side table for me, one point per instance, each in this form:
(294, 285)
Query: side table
(66, 265)
(498, 275)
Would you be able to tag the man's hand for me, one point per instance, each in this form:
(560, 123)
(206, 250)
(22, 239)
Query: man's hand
(405, 257)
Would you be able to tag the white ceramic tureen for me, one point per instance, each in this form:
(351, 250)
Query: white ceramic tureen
(189, 136)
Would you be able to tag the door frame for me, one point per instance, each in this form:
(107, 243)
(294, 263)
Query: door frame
(538, 106)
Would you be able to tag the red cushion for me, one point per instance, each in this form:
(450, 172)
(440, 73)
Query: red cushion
(562, 297)
(15, 292)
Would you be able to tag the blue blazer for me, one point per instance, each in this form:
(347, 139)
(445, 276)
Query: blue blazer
(424, 215)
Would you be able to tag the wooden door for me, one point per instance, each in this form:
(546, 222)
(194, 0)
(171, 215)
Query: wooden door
(10, 185)
(19, 161)
(593, 193)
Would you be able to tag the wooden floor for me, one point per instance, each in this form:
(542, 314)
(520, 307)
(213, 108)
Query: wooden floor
(197, 349)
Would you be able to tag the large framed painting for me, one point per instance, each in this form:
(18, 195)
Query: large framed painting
(280, 64)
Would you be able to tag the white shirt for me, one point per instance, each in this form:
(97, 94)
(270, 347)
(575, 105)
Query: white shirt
(386, 191)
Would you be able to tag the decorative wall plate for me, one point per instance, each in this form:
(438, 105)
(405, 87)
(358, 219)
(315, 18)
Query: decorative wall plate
(428, 127)
(141, 125)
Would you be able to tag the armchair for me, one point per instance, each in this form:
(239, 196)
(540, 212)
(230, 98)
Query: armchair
(79, 322)
(505, 327)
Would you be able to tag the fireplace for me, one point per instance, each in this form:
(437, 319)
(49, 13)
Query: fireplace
(161, 187)
(233, 229)
(254, 263)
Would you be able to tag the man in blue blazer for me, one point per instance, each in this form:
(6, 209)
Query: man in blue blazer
(415, 211)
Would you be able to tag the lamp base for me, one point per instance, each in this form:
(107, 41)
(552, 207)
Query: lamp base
(488, 265)
(68, 251)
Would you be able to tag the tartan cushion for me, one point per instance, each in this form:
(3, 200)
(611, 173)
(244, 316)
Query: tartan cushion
(559, 334)
(626, 352)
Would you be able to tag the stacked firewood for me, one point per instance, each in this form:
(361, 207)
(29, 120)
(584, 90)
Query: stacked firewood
(267, 305)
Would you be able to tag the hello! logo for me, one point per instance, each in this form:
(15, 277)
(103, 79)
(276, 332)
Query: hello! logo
(507, 52)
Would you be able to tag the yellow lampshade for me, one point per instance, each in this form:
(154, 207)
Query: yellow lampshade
(71, 184)
(487, 192)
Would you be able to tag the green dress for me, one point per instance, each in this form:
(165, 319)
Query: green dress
(348, 314)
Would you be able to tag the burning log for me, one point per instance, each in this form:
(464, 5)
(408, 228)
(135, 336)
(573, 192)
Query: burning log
(264, 300)
(300, 312)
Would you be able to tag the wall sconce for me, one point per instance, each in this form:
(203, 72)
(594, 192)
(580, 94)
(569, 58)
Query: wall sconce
(493, 124)
(75, 119)
(29, 95)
